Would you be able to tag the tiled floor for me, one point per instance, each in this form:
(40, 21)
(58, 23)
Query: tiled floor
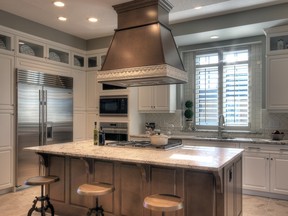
(18, 204)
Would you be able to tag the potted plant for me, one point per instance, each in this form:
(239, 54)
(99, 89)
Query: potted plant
(189, 115)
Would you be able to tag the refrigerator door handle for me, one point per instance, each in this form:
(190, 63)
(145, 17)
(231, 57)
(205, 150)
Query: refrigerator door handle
(45, 117)
(41, 117)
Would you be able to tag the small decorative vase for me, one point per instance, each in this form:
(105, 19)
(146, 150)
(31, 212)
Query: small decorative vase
(189, 125)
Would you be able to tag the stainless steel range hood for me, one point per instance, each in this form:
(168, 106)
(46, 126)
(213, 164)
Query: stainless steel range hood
(143, 51)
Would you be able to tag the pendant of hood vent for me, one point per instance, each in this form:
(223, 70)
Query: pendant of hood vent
(143, 51)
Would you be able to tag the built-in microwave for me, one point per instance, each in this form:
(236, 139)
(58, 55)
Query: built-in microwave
(113, 105)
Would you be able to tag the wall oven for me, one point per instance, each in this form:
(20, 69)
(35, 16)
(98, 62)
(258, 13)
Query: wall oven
(115, 131)
(113, 105)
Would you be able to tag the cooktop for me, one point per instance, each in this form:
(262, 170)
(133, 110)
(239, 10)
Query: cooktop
(172, 143)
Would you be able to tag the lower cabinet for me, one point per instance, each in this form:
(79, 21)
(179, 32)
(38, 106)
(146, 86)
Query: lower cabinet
(233, 189)
(6, 150)
(133, 182)
(266, 171)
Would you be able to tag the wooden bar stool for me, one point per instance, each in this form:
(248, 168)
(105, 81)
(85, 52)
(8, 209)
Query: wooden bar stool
(163, 203)
(41, 180)
(95, 189)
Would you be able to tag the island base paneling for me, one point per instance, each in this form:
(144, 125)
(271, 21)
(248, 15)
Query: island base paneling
(135, 181)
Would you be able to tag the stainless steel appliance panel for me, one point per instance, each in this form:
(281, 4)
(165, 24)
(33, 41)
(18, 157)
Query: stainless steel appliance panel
(44, 116)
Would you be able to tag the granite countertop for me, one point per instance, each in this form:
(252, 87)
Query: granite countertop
(238, 140)
(192, 157)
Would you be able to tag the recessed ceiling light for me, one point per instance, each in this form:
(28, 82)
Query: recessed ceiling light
(59, 4)
(214, 37)
(62, 18)
(93, 19)
(197, 8)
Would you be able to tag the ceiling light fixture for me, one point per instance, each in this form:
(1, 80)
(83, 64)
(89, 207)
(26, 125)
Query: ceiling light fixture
(62, 18)
(197, 8)
(92, 19)
(59, 4)
(214, 37)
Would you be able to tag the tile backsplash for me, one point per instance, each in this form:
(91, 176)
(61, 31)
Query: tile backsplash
(176, 124)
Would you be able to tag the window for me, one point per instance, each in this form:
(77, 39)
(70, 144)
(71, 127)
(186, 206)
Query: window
(222, 87)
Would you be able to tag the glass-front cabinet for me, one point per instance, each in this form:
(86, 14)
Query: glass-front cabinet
(96, 60)
(58, 55)
(30, 48)
(78, 60)
(277, 40)
(6, 42)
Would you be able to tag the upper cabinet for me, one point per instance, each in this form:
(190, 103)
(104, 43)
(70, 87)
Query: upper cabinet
(29, 48)
(277, 40)
(6, 42)
(96, 60)
(158, 99)
(78, 60)
(276, 66)
(58, 55)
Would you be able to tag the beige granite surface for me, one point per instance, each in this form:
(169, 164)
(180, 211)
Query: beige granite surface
(192, 157)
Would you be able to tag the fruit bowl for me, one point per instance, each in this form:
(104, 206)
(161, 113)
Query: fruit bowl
(277, 136)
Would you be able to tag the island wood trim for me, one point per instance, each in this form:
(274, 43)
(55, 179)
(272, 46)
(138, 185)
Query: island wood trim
(219, 183)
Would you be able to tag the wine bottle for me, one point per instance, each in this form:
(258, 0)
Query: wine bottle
(96, 134)
(101, 137)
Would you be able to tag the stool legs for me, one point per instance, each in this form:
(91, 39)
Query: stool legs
(98, 210)
(43, 208)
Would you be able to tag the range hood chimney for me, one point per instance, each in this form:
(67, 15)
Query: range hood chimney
(143, 51)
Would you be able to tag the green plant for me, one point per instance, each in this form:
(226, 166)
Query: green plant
(188, 112)
(188, 104)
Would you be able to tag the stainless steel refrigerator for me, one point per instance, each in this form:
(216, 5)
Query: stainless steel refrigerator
(44, 116)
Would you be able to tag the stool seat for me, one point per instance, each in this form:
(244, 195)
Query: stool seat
(44, 200)
(41, 180)
(163, 202)
(95, 189)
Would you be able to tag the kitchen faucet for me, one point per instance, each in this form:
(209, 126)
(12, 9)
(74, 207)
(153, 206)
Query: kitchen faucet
(221, 125)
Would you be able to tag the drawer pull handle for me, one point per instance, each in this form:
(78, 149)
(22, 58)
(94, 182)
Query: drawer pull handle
(254, 148)
(283, 149)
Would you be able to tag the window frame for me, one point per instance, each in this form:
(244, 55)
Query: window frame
(220, 64)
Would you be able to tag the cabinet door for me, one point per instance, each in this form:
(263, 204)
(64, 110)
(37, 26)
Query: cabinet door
(6, 169)
(79, 129)
(145, 98)
(79, 90)
(91, 91)
(256, 171)
(6, 81)
(229, 191)
(6, 150)
(279, 175)
(277, 87)
(161, 97)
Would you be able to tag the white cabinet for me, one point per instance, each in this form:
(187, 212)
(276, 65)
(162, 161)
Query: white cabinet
(160, 98)
(277, 78)
(6, 150)
(265, 169)
(276, 66)
(96, 59)
(79, 126)
(92, 91)
(79, 90)
(6, 43)
(6, 81)
(256, 171)
(279, 175)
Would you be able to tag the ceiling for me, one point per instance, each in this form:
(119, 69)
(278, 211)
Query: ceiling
(78, 11)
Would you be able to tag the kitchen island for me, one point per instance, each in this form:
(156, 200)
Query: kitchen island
(209, 179)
